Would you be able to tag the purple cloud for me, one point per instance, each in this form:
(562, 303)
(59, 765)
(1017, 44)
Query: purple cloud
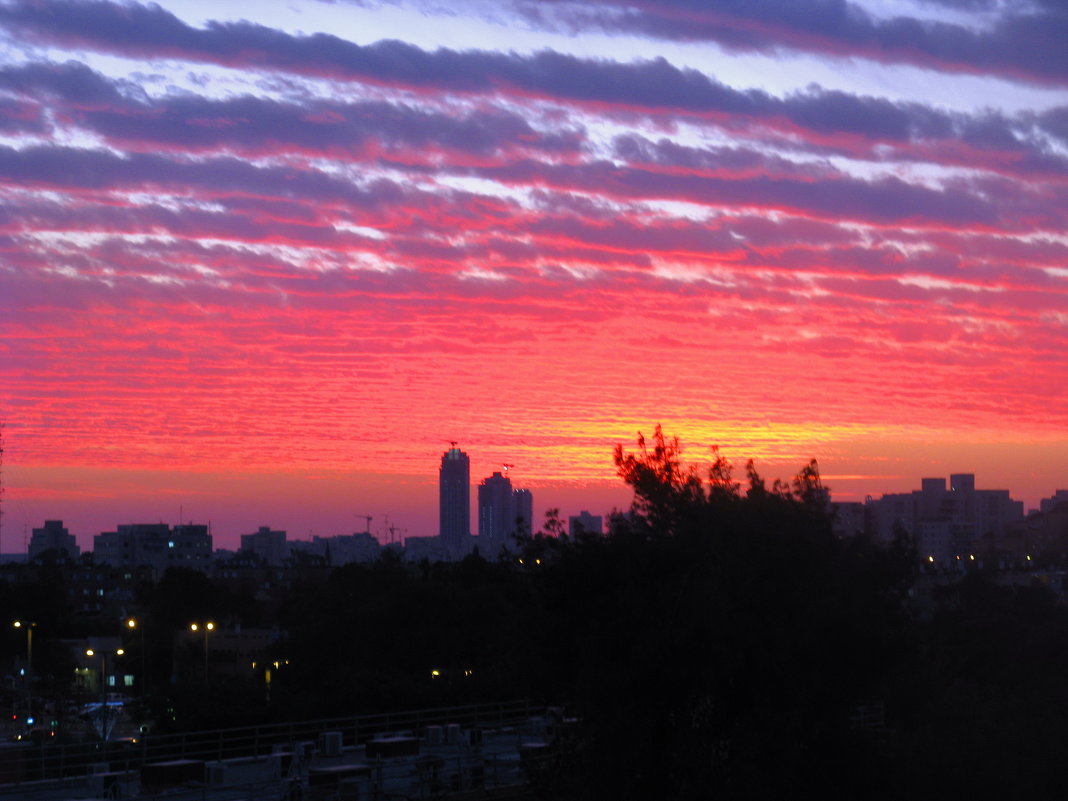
(1026, 41)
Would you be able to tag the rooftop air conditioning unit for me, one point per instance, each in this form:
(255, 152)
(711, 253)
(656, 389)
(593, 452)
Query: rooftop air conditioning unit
(215, 774)
(330, 743)
(473, 737)
(435, 735)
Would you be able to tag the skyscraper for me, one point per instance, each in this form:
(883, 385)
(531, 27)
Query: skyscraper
(524, 511)
(499, 511)
(454, 500)
(496, 514)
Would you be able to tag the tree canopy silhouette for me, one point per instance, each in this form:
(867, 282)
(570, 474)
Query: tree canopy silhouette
(720, 640)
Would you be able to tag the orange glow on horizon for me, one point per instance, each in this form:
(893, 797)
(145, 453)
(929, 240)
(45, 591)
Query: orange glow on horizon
(267, 285)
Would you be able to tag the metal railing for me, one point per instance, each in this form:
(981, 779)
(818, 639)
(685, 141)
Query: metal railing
(23, 765)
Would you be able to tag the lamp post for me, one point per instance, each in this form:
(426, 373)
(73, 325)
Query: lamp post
(29, 626)
(132, 624)
(207, 627)
(105, 733)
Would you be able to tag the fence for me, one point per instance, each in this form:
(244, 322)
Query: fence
(25, 765)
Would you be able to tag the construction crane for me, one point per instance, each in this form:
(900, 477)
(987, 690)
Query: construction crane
(394, 530)
(368, 518)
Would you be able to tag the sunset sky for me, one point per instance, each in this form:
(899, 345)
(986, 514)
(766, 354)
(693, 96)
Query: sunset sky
(260, 263)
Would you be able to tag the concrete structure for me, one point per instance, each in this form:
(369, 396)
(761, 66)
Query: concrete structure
(52, 536)
(416, 549)
(524, 510)
(850, 519)
(1043, 535)
(1046, 504)
(467, 752)
(502, 513)
(154, 545)
(946, 523)
(270, 546)
(496, 514)
(454, 502)
(238, 651)
(189, 546)
(133, 545)
(585, 523)
(347, 549)
(117, 671)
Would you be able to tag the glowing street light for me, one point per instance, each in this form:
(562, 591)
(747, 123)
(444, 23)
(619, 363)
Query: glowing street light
(105, 732)
(206, 627)
(29, 626)
(133, 625)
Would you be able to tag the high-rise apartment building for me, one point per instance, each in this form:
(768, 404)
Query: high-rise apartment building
(524, 510)
(945, 522)
(454, 501)
(154, 545)
(1060, 497)
(502, 513)
(268, 545)
(496, 514)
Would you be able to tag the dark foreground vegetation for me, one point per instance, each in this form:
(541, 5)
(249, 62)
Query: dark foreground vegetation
(720, 642)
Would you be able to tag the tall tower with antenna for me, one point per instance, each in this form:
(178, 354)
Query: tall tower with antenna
(454, 501)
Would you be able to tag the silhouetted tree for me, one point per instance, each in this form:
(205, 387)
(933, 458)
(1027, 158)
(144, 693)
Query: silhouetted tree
(718, 643)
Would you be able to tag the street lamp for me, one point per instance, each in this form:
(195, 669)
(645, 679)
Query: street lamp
(29, 626)
(207, 627)
(105, 733)
(132, 625)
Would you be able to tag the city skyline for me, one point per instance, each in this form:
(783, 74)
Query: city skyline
(259, 265)
(454, 500)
